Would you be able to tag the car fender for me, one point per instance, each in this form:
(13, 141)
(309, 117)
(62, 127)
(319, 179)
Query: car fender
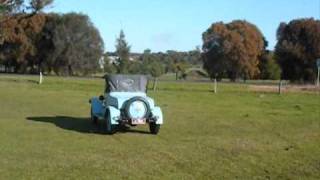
(114, 115)
(157, 113)
(151, 102)
(97, 107)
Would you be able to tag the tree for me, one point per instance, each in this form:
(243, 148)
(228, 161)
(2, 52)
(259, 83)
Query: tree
(268, 67)
(156, 69)
(181, 68)
(123, 52)
(18, 6)
(175, 63)
(10, 6)
(232, 50)
(20, 35)
(33, 42)
(194, 56)
(151, 65)
(298, 48)
(74, 45)
(38, 5)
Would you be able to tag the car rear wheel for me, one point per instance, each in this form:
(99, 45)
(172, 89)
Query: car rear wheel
(111, 129)
(94, 119)
(154, 128)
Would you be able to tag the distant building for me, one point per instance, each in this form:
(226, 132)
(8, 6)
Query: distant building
(113, 58)
(102, 62)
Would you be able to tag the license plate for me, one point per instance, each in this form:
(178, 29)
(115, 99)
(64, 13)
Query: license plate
(138, 121)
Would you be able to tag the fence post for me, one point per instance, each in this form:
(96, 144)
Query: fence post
(40, 78)
(318, 67)
(215, 85)
(280, 86)
(318, 77)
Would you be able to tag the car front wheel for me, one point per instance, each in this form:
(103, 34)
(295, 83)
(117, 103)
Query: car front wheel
(154, 128)
(111, 129)
(94, 119)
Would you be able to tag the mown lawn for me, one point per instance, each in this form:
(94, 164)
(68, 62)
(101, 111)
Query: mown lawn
(45, 133)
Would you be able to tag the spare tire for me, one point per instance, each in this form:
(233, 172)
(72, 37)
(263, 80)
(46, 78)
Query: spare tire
(134, 100)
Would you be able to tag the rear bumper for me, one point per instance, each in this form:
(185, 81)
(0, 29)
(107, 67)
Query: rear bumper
(129, 121)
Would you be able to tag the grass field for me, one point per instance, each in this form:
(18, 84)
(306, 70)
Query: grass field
(45, 133)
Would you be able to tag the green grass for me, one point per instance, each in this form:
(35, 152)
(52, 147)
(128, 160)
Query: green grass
(235, 134)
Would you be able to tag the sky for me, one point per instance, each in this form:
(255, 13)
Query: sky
(162, 25)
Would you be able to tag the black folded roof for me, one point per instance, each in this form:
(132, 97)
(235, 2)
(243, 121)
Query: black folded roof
(126, 83)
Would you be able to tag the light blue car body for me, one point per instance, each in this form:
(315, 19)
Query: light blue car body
(114, 102)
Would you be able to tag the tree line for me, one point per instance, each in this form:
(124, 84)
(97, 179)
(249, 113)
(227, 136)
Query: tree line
(238, 50)
(148, 62)
(69, 44)
(33, 41)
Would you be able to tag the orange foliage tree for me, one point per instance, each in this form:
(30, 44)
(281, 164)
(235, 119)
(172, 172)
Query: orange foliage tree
(232, 50)
(19, 36)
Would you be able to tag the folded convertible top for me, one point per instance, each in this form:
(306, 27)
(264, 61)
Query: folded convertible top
(126, 83)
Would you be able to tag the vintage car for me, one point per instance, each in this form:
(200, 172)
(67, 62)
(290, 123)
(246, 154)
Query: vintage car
(125, 102)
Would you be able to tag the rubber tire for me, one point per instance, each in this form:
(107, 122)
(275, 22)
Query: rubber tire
(137, 98)
(154, 128)
(110, 129)
(94, 119)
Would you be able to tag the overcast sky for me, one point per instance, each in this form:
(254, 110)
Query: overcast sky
(178, 24)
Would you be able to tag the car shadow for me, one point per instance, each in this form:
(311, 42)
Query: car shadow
(82, 125)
